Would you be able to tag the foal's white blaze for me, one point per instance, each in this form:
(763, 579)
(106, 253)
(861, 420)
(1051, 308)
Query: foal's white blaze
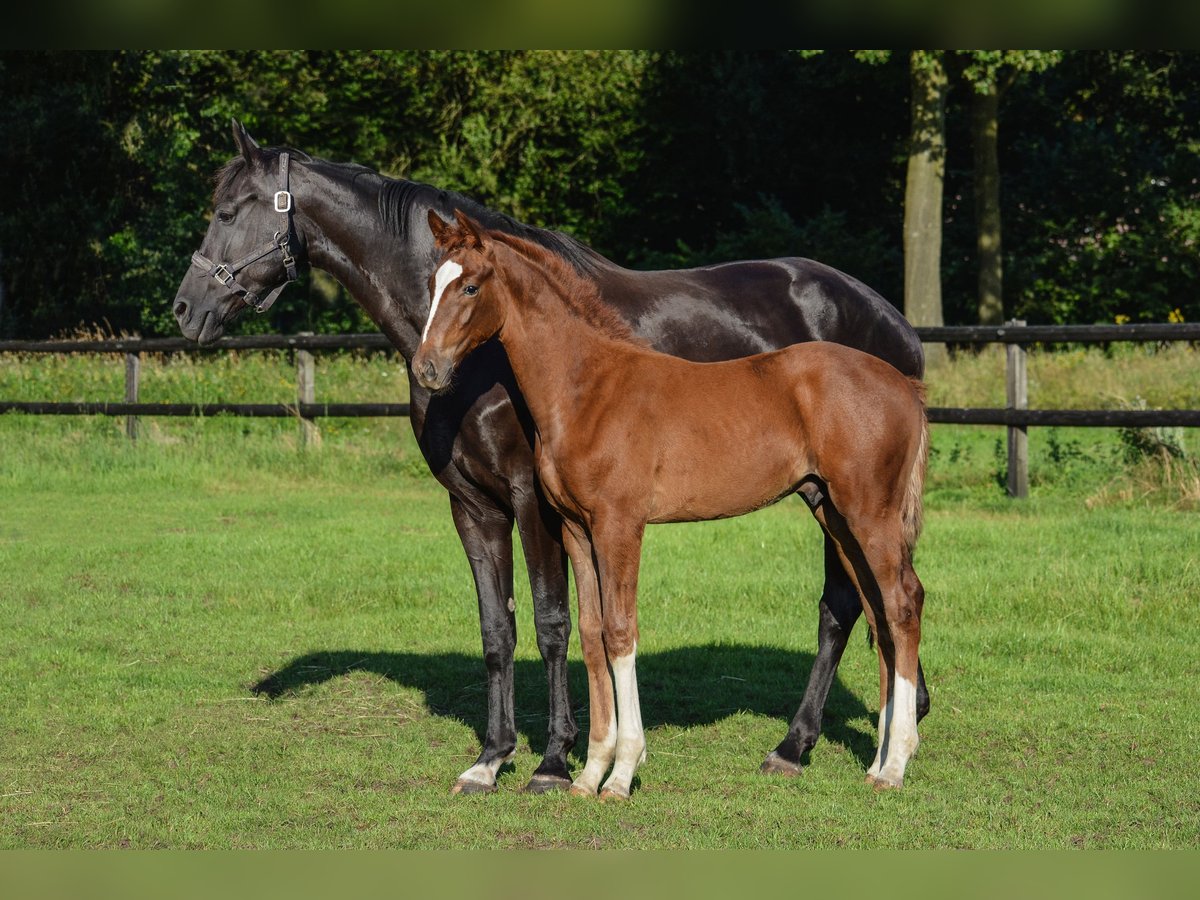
(446, 274)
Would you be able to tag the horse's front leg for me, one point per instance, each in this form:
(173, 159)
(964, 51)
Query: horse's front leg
(541, 539)
(618, 552)
(602, 711)
(486, 534)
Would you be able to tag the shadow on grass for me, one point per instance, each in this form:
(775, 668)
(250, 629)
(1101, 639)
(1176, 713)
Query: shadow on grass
(684, 687)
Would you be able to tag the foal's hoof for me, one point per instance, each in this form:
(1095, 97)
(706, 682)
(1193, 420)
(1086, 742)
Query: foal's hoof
(881, 783)
(775, 764)
(466, 786)
(577, 790)
(611, 794)
(546, 784)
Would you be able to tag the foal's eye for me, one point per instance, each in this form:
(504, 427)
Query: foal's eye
(470, 290)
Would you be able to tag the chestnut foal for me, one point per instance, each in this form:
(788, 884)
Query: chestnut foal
(626, 436)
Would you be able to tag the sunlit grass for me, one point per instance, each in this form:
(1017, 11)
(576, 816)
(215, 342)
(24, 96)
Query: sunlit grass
(149, 587)
(1166, 377)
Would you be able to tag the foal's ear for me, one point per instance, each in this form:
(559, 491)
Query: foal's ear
(472, 231)
(441, 230)
(247, 145)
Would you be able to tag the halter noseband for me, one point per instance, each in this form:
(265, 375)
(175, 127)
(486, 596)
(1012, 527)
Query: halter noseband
(226, 273)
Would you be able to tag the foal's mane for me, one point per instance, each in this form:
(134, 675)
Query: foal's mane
(397, 197)
(579, 293)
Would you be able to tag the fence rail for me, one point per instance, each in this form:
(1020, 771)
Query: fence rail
(254, 410)
(1016, 416)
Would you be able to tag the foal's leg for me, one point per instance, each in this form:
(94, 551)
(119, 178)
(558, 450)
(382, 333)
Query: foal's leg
(902, 601)
(541, 531)
(875, 555)
(487, 538)
(618, 555)
(602, 713)
(839, 609)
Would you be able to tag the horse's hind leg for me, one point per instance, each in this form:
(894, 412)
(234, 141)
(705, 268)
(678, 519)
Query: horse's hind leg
(873, 551)
(902, 607)
(839, 609)
(895, 596)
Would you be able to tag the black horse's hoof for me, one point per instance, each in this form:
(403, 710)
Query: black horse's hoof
(775, 764)
(546, 784)
(466, 786)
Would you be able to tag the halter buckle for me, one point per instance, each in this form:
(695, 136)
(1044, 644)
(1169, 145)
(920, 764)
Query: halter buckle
(223, 275)
(285, 204)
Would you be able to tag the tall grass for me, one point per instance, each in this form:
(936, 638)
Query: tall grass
(1166, 377)
(966, 461)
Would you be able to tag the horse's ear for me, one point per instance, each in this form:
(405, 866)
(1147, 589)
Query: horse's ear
(471, 229)
(247, 145)
(441, 230)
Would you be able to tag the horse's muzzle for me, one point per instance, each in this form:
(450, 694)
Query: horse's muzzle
(430, 374)
(202, 327)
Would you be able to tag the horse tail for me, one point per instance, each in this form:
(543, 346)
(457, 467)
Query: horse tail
(912, 509)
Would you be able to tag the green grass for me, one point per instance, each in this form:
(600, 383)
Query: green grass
(150, 588)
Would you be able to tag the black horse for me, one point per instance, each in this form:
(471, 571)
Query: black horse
(278, 210)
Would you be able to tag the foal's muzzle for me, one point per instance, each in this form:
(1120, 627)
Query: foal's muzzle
(432, 374)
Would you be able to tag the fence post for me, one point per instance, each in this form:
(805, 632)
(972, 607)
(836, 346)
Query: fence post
(306, 393)
(1017, 389)
(133, 370)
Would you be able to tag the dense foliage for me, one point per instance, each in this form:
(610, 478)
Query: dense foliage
(657, 159)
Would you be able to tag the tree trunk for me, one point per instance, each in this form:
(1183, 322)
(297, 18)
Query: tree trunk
(985, 125)
(923, 196)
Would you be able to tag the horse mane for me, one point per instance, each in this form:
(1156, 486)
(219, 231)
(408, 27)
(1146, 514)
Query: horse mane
(397, 196)
(578, 292)
(226, 175)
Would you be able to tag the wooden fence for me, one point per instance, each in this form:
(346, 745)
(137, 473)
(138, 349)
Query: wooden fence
(1015, 415)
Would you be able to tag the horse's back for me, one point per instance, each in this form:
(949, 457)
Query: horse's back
(737, 309)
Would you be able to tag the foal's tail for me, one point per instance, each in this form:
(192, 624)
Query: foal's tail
(912, 510)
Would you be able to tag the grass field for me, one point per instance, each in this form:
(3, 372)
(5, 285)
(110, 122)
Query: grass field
(150, 588)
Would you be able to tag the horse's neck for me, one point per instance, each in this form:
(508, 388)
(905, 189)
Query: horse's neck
(386, 274)
(556, 356)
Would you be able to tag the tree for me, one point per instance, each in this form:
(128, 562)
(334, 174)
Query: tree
(923, 193)
(991, 73)
(1102, 189)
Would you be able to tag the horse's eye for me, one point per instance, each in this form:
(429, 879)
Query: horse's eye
(470, 290)
(224, 216)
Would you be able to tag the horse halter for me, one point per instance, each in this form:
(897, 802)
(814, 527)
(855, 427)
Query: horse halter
(226, 273)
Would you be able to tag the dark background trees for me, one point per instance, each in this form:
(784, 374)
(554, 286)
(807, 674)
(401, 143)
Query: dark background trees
(657, 159)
